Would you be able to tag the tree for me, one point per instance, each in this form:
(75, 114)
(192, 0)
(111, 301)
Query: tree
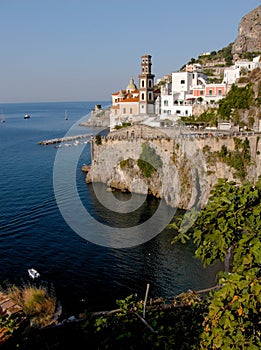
(230, 226)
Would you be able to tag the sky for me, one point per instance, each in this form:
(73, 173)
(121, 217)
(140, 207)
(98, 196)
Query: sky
(85, 50)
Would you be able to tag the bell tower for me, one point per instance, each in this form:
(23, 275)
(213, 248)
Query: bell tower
(146, 84)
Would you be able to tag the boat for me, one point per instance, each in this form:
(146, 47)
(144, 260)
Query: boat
(27, 116)
(65, 115)
(33, 273)
(2, 117)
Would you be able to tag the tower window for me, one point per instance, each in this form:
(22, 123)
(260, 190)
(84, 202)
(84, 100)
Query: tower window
(150, 96)
(182, 81)
(142, 83)
(142, 96)
(150, 84)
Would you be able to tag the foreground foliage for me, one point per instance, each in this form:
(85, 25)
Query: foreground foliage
(37, 302)
(229, 230)
(175, 325)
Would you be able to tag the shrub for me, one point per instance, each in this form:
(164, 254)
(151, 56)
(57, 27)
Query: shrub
(149, 160)
(37, 303)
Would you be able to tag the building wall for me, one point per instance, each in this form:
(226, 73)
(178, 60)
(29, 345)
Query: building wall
(181, 81)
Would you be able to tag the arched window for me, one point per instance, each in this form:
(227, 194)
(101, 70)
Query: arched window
(150, 96)
(142, 83)
(142, 96)
(150, 83)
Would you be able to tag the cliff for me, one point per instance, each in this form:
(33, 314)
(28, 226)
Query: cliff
(188, 167)
(249, 34)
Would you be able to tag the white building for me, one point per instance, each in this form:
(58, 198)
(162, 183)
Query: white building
(234, 72)
(177, 97)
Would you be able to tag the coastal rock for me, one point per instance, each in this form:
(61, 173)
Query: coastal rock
(187, 174)
(249, 34)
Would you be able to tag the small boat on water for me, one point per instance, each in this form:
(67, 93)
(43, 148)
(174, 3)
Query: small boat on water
(33, 273)
(27, 116)
(3, 120)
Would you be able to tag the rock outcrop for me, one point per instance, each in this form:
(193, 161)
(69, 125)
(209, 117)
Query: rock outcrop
(188, 172)
(249, 34)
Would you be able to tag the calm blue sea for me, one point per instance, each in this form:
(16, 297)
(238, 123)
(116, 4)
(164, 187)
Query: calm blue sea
(33, 232)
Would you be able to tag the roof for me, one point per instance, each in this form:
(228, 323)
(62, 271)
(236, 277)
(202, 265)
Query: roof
(131, 99)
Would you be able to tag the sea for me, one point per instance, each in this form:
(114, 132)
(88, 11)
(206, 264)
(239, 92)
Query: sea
(83, 275)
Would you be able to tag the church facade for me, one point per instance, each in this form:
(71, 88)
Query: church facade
(134, 103)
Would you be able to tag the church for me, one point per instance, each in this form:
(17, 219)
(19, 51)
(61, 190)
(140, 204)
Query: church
(134, 103)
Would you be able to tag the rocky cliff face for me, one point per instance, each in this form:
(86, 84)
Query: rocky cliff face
(186, 176)
(249, 34)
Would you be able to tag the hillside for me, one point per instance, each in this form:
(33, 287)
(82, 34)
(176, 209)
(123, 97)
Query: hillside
(247, 45)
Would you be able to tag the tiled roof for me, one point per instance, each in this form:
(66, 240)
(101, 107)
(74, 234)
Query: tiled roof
(133, 99)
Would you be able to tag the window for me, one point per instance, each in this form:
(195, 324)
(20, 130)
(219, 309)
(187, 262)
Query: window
(142, 96)
(142, 83)
(219, 92)
(166, 102)
(150, 96)
(124, 110)
(150, 84)
(182, 81)
(178, 112)
(201, 92)
(210, 92)
(130, 110)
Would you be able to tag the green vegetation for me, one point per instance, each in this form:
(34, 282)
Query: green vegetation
(126, 163)
(230, 227)
(98, 139)
(209, 116)
(124, 125)
(237, 98)
(238, 159)
(166, 326)
(224, 54)
(8, 325)
(149, 160)
(36, 302)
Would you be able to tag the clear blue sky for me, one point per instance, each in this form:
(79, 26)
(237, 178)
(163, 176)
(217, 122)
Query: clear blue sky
(84, 50)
